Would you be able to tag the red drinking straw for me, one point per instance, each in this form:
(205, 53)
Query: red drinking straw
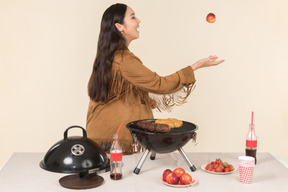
(251, 126)
(116, 143)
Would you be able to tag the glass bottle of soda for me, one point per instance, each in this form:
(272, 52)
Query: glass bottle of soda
(251, 142)
(116, 159)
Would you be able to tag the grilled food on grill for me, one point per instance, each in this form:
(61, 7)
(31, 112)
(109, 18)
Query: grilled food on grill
(154, 127)
(172, 122)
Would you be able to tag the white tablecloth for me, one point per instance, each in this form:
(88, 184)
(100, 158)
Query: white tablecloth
(22, 173)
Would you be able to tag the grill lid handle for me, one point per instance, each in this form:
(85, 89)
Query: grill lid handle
(75, 126)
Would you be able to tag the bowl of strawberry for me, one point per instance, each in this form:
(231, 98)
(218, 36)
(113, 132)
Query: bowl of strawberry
(178, 178)
(218, 167)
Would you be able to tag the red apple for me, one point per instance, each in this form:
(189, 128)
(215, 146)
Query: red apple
(172, 178)
(211, 18)
(178, 171)
(165, 173)
(185, 179)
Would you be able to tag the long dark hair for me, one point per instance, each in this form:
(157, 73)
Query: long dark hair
(110, 39)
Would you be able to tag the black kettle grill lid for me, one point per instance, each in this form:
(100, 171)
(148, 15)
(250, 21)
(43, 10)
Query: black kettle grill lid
(74, 154)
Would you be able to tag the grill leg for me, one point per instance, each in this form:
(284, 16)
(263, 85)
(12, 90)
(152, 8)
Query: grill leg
(143, 158)
(191, 166)
(152, 156)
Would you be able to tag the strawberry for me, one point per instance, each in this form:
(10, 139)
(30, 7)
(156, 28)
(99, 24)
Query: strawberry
(222, 167)
(208, 167)
(218, 169)
(226, 169)
(218, 161)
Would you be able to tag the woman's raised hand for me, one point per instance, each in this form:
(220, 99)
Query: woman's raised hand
(206, 62)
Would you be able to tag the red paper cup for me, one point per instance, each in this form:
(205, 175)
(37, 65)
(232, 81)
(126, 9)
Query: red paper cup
(246, 169)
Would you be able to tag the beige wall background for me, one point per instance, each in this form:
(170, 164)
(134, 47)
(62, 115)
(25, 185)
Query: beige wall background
(47, 49)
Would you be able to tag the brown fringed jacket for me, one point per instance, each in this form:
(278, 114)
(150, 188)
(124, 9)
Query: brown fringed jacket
(129, 101)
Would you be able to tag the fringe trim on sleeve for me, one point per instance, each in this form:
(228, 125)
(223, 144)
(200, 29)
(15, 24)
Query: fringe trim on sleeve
(166, 102)
(120, 87)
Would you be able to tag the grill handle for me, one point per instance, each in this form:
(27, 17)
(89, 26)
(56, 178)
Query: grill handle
(75, 126)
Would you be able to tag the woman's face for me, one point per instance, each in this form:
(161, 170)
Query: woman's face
(130, 27)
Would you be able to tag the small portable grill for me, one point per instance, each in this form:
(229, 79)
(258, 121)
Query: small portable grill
(163, 142)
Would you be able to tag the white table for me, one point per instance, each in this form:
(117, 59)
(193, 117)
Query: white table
(23, 173)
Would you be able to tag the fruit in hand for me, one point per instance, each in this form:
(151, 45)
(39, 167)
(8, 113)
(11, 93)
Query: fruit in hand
(219, 166)
(172, 178)
(185, 179)
(165, 173)
(178, 171)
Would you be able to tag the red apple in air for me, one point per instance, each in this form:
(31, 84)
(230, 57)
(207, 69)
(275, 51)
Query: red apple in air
(165, 173)
(172, 179)
(211, 18)
(178, 171)
(185, 179)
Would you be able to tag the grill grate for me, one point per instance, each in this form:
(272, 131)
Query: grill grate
(186, 127)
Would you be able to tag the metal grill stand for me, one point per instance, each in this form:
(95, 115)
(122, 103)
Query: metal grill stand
(153, 156)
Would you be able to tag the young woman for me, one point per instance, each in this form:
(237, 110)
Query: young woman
(119, 84)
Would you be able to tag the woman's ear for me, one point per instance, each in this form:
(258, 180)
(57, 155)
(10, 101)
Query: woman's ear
(119, 27)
